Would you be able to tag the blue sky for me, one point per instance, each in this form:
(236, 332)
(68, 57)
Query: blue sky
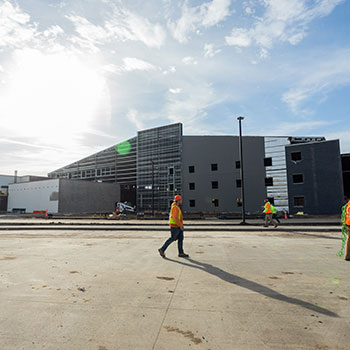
(79, 76)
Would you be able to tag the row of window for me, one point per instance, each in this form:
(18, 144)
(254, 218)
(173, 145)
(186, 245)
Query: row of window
(192, 202)
(298, 202)
(215, 184)
(295, 156)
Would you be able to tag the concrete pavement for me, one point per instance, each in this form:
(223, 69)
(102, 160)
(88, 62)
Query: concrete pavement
(108, 290)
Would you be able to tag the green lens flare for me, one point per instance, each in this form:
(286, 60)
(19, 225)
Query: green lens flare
(123, 148)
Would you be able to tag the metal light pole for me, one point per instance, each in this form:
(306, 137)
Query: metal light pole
(241, 167)
(152, 188)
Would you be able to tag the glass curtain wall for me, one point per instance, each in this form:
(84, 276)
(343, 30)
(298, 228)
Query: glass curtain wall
(159, 175)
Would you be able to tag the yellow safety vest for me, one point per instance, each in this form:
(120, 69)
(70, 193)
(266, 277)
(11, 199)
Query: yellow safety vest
(347, 214)
(267, 207)
(172, 222)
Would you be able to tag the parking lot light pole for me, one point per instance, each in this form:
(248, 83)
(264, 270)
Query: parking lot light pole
(152, 188)
(241, 168)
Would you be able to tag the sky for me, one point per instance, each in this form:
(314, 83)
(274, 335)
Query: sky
(79, 76)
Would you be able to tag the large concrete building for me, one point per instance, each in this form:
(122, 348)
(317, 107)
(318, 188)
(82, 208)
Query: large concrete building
(160, 162)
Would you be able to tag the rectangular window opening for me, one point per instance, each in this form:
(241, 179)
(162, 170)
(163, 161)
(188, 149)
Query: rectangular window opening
(214, 167)
(238, 183)
(268, 161)
(238, 164)
(214, 184)
(192, 203)
(295, 156)
(215, 202)
(192, 186)
(298, 178)
(191, 169)
(299, 201)
(268, 181)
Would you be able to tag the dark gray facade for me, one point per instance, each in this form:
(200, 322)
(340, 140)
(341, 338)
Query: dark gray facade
(315, 183)
(345, 161)
(87, 196)
(211, 177)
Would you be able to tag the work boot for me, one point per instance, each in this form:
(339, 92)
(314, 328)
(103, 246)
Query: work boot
(161, 253)
(276, 225)
(183, 255)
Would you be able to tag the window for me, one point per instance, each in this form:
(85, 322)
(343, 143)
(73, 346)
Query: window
(171, 187)
(191, 169)
(215, 202)
(214, 185)
(239, 202)
(238, 183)
(192, 203)
(295, 156)
(298, 178)
(192, 186)
(214, 167)
(238, 164)
(268, 181)
(268, 161)
(299, 201)
(171, 171)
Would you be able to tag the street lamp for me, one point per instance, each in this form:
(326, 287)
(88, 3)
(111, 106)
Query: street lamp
(152, 188)
(241, 168)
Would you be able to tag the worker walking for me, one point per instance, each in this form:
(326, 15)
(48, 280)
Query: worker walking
(268, 214)
(347, 227)
(176, 228)
(274, 214)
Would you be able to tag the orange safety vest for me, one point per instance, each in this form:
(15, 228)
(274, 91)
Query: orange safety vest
(174, 208)
(347, 214)
(267, 207)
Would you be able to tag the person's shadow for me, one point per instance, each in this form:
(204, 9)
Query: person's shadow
(256, 287)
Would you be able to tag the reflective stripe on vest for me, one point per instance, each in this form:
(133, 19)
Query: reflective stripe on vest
(347, 214)
(171, 220)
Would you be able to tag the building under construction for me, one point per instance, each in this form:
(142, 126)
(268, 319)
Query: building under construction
(296, 174)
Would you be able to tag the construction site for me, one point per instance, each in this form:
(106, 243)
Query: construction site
(101, 285)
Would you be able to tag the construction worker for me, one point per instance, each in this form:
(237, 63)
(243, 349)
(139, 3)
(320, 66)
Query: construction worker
(274, 214)
(268, 214)
(176, 228)
(347, 225)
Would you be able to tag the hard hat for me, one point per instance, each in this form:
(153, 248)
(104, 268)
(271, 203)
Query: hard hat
(177, 198)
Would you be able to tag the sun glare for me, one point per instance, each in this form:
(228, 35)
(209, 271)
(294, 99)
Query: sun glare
(52, 96)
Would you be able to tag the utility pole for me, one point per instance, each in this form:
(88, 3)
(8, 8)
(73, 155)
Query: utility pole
(241, 168)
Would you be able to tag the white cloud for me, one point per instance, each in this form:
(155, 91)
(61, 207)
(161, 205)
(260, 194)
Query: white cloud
(135, 119)
(209, 50)
(126, 25)
(298, 127)
(282, 21)
(194, 18)
(53, 31)
(214, 12)
(129, 64)
(189, 60)
(318, 79)
(132, 63)
(123, 26)
(15, 29)
(175, 91)
(239, 37)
